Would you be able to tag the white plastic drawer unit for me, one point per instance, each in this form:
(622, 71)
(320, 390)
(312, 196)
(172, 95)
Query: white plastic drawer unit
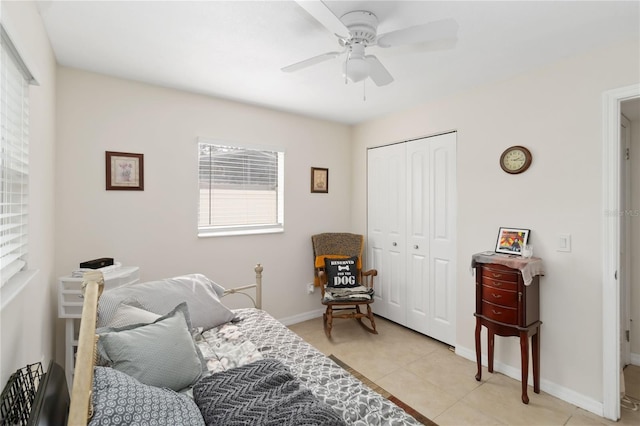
(70, 289)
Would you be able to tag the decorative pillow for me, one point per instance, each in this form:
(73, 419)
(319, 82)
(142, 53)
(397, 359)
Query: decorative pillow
(119, 399)
(159, 297)
(159, 354)
(129, 313)
(341, 273)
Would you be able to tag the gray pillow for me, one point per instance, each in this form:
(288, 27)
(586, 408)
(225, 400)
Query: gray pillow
(129, 313)
(161, 354)
(119, 399)
(200, 293)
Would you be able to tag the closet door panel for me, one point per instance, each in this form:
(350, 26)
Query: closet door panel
(442, 193)
(395, 211)
(376, 223)
(385, 229)
(418, 178)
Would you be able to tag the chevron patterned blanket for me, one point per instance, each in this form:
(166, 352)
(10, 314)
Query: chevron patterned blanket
(263, 392)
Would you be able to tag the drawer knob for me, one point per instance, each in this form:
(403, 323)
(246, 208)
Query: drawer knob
(496, 312)
(497, 296)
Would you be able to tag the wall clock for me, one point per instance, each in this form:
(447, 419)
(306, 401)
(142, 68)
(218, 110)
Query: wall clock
(515, 159)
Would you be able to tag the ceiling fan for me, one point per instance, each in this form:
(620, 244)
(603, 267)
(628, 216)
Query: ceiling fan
(357, 30)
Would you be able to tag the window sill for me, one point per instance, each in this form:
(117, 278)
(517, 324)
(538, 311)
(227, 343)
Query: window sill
(234, 232)
(15, 285)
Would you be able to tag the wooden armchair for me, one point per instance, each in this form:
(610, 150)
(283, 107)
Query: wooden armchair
(345, 287)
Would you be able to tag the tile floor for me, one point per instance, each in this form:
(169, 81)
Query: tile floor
(427, 375)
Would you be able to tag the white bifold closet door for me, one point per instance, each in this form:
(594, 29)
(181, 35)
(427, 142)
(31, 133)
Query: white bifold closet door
(411, 235)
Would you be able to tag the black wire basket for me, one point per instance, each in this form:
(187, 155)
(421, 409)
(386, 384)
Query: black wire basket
(18, 395)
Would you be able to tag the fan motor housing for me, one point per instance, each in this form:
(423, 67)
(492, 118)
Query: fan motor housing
(363, 26)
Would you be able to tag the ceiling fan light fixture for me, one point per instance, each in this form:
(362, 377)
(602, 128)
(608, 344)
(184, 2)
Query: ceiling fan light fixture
(356, 69)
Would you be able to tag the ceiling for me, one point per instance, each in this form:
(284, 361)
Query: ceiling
(236, 49)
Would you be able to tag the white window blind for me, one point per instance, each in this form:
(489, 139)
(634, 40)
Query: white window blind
(14, 160)
(241, 190)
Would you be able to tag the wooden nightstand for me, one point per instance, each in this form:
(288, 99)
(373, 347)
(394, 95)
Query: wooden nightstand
(508, 306)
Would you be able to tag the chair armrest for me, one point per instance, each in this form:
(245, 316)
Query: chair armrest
(367, 277)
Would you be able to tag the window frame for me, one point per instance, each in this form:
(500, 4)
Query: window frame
(17, 79)
(244, 229)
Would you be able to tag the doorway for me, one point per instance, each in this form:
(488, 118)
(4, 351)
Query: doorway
(611, 256)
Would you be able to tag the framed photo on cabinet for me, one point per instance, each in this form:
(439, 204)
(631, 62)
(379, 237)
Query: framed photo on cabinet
(125, 171)
(512, 240)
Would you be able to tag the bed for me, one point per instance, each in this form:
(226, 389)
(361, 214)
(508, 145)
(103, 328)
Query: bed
(252, 370)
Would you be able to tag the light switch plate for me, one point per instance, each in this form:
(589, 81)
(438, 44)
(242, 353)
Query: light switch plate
(564, 242)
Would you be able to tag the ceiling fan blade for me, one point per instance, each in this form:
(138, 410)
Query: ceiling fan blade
(311, 61)
(377, 72)
(325, 16)
(443, 29)
(427, 46)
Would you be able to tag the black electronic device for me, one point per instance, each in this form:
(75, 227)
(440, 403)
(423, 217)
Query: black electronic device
(97, 263)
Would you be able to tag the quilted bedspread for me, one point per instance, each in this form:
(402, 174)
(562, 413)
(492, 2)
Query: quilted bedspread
(259, 336)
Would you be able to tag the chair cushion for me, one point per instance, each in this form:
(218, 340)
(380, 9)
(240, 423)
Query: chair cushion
(342, 273)
(348, 294)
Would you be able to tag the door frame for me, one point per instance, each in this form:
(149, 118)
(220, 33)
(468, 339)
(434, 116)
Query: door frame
(625, 256)
(611, 100)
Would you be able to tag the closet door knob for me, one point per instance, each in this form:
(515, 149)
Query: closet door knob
(394, 244)
(416, 247)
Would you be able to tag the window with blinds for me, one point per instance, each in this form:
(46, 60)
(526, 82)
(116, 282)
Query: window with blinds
(241, 190)
(14, 161)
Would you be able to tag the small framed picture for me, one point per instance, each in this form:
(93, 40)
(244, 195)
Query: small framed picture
(319, 180)
(512, 240)
(125, 171)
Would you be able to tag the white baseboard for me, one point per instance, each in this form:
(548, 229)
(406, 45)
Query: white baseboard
(301, 317)
(635, 359)
(547, 386)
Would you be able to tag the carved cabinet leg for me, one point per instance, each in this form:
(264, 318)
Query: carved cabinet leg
(478, 350)
(491, 338)
(524, 354)
(535, 349)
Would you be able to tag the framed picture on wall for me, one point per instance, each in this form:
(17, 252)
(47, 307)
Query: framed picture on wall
(512, 240)
(319, 180)
(125, 171)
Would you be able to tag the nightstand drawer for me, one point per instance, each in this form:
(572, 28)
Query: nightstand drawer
(70, 289)
(500, 272)
(503, 285)
(500, 313)
(501, 297)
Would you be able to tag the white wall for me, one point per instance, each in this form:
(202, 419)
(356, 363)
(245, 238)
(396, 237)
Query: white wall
(156, 228)
(26, 326)
(556, 113)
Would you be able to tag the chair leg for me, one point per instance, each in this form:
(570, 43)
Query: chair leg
(370, 316)
(370, 329)
(328, 321)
